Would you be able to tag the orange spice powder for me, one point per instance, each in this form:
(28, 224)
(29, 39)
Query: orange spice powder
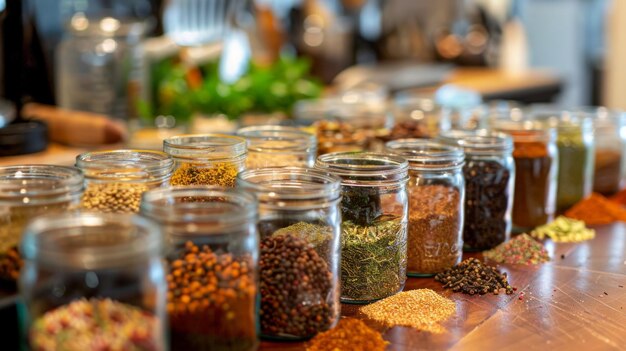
(597, 210)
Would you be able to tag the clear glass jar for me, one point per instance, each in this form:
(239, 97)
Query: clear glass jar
(609, 129)
(299, 225)
(374, 211)
(26, 192)
(278, 146)
(536, 166)
(436, 193)
(212, 260)
(489, 173)
(373, 122)
(92, 282)
(418, 117)
(206, 159)
(115, 179)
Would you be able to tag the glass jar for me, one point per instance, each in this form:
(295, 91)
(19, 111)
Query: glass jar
(489, 173)
(418, 117)
(278, 146)
(536, 161)
(27, 192)
(374, 211)
(373, 122)
(212, 261)
(436, 197)
(575, 145)
(609, 129)
(115, 180)
(206, 159)
(299, 225)
(93, 281)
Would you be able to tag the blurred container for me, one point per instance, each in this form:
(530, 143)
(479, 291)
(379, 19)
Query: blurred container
(278, 146)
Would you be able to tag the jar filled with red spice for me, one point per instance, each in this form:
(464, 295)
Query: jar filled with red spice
(212, 260)
(536, 165)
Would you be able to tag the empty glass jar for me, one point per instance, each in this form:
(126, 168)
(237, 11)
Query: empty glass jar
(212, 259)
(278, 146)
(92, 282)
(299, 225)
(436, 196)
(374, 212)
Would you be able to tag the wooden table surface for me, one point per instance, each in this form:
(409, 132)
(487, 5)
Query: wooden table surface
(576, 302)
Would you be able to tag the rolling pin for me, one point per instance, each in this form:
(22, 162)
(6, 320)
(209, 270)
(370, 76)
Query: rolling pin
(77, 128)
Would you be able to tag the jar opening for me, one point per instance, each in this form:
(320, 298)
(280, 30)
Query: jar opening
(125, 165)
(277, 138)
(478, 142)
(205, 146)
(39, 184)
(364, 166)
(425, 154)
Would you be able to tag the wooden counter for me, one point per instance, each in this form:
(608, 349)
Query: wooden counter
(576, 302)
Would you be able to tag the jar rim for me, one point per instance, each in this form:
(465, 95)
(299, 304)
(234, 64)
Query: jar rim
(357, 166)
(256, 136)
(427, 154)
(39, 184)
(91, 240)
(125, 164)
(477, 141)
(161, 204)
(209, 146)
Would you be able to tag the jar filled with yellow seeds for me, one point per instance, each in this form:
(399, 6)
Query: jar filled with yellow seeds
(279, 146)
(206, 159)
(116, 179)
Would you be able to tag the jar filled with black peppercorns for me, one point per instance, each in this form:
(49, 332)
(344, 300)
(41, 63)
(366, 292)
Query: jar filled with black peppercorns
(299, 224)
(489, 173)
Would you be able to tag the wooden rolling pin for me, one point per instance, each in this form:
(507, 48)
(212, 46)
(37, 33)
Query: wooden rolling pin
(77, 128)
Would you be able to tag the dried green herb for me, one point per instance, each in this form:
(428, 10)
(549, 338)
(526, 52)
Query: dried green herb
(373, 259)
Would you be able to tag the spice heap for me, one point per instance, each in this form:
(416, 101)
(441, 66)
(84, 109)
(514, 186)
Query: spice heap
(522, 249)
(434, 239)
(349, 334)
(222, 174)
(296, 288)
(597, 210)
(565, 230)
(607, 171)
(422, 309)
(211, 301)
(620, 197)
(96, 324)
(473, 277)
(486, 202)
(113, 197)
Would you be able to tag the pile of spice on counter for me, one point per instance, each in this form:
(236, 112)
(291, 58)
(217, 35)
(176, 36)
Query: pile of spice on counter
(597, 210)
(564, 230)
(211, 301)
(522, 249)
(473, 277)
(620, 197)
(221, 174)
(95, 324)
(113, 197)
(349, 334)
(422, 309)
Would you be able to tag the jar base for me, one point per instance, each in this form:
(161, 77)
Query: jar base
(420, 275)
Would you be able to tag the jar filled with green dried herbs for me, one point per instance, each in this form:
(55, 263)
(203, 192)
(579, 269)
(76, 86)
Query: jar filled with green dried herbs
(299, 226)
(278, 146)
(206, 159)
(374, 209)
(115, 179)
(436, 192)
(27, 192)
(212, 261)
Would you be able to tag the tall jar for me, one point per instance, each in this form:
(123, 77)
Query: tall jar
(278, 146)
(436, 196)
(206, 159)
(115, 180)
(299, 225)
(609, 129)
(92, 282)
(212, 260)
(536, 165)
(27, 192)
(374, 211)
(489, 173)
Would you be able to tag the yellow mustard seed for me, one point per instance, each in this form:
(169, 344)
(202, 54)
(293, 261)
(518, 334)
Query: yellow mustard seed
(222, 174)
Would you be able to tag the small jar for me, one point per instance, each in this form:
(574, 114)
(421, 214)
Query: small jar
(212, 260)
(206, 159)
(575, 143)
(418, 117)
(278, 146)
(536, 165)
(299, 225)
(115, 180)
(489, 174)
(93, 281)
(609, 130)
(374, 212)
(27, 192)
(436, 193)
